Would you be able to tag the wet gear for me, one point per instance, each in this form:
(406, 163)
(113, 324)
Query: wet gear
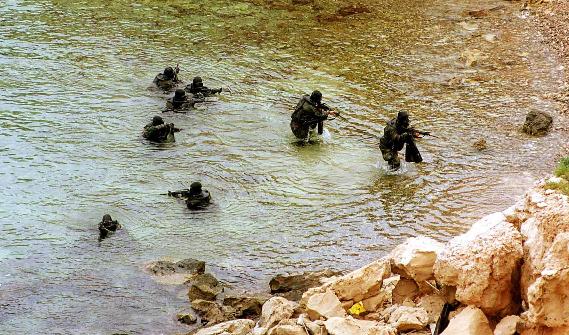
(158, 131)
(196, 197)
(107, 226)
(181, 101)
(197, 87)
(307, 114)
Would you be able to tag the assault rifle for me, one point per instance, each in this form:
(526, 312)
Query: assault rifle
(422, 133)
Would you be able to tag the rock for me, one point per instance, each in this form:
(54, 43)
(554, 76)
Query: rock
(405, 289)
(273, 311)
(324, 305)
(243, 307)
(544, 227)
(314, 328)
(408, 318)
(204, 286)
(374, 303)
(350, 326)
(296, 284)
(483, 264)
(471, 57)
(362, 283)
(287, 329)
(507, 326)
(490, 37)
(537, 123)
(415, 258)
(189, 266)
(471, 321)
(234, 327)
(433, 305)
(548, 296)
(480, 145)
(355, 286)
(186, 318)
(209, 311)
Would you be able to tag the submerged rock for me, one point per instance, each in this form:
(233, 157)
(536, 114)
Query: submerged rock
(203, 286)
(186, 318)
(483, 264)
(189, 266)
(537, 123)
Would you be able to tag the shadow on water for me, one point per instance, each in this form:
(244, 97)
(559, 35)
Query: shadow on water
(72, 150)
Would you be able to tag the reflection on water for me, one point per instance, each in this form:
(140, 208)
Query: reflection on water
(74, 99)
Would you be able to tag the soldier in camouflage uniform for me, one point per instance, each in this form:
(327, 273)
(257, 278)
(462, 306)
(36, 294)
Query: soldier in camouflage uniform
(168, 79)
(309, 112)
(196, 88)
(107, 226)
(180, 101)
(196, 198)
(157, 131)
(396, 134)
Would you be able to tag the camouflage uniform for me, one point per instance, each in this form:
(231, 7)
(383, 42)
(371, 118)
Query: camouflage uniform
(306, 115)
(107, 226)
(395, 135)
(166, 80)
(197, 89)
(158, 131)
(180, 101)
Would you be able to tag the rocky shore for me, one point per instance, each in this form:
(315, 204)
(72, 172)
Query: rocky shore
(508, 274)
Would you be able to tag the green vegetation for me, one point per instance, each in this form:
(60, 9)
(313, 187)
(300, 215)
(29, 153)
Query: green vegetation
(562, 171)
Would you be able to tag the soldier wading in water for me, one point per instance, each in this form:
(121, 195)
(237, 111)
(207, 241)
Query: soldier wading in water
(309, 113)
(181, 102)
(157, 131)
(198, 90)
(196, 198)
(168, 79)
(397, 134)
(107, 226)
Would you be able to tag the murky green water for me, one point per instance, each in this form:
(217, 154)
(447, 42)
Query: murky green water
(74, 98)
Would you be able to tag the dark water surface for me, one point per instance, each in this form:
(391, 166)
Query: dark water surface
(74, 98)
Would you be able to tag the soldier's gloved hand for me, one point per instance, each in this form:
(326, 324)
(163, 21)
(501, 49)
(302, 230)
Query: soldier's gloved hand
(406, 137)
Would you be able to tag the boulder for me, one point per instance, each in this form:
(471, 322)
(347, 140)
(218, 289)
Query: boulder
(433, 306)
(273, 311)
(544, 225)
(405, 289)
(548, 296)
(350, 326)
(299, 281)
(204, 286)
(415, 258)
(314, 327)
(186, 318)
(210, 311)
(234, 327)
(188, 266)
(483, 264)
(287, 329)
(408, 318)
(324, 305)
(507, 326)
(243, 307)
(471, 321)
(537, 123)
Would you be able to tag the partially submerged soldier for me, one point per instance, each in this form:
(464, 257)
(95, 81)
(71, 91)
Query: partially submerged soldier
(196, 88)
(107, 226)
(309, 113)
(397, 134)
(158, 131)
(196, 197)
(180, 101)
(168, 79)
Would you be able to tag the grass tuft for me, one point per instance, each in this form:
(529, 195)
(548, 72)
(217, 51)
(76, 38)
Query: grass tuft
(562, 170)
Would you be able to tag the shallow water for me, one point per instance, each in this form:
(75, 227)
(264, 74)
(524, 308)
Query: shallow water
(74, 98)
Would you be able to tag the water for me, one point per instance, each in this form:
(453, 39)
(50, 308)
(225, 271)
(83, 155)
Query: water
(75, 77)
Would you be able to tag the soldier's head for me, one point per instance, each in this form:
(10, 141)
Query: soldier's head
(197, 82)
(180, 94)
(316, 97)
(402, 121)
(196, 188)
(169, 72)
(157, 120)
(107, 218)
